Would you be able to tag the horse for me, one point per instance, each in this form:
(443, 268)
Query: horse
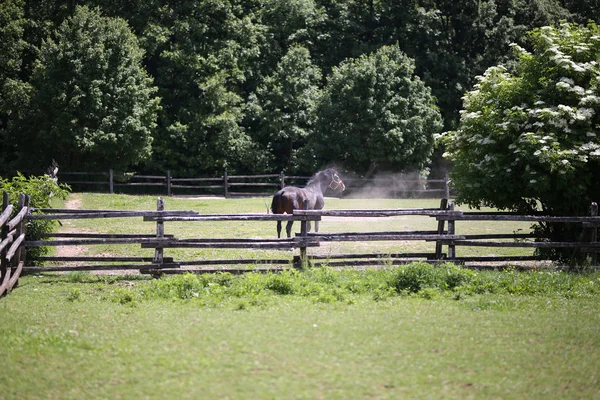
(291, 198)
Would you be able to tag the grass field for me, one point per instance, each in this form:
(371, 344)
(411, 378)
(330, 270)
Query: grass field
(77, 337)
(414, 332)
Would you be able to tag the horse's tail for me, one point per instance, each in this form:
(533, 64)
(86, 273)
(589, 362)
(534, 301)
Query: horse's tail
(276, 204)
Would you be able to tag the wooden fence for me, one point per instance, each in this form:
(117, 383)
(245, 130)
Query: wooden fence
(444, 238)
(248, 185)
(12, 235)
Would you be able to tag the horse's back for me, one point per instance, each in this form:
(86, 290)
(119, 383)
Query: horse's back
(287, 200)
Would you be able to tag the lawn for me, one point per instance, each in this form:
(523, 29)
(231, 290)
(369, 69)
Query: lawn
(77, 337)
(415, 331)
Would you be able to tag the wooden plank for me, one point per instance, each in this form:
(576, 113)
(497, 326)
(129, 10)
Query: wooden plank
(16, 274)
(249, 261)
(502, 236)
(434, 212)
(473, 243)
(514, 217)
(98, 235)
(497, 258)
(236, 240)
(237, 217)
(399, 233)
(5, 280)
(254, 176)
(8, 239)
(140, 184)
(5, 214)
(17, 219)
(198, 180)
(379, 237)
(372, 255)
(109, 214)
(86, 242)
(226, 245)
(256, 184)
(111, 267)
(99, 259)
(15, 246)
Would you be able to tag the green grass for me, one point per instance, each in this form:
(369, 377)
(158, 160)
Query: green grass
(410, 332)
(255, 229)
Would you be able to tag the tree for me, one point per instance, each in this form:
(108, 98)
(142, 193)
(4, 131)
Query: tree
(530, 136)
(13, 91)
(375, 114)
(284, 107)
(205, 61)
(93, 104)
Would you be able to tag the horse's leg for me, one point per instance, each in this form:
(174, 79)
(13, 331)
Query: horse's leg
(316, 226)
(278, 229)
(307, 226)
(288, 228)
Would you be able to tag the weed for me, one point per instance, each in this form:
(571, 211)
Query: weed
(74, 294)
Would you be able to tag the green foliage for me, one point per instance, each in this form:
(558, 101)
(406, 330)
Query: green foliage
(220, 69)
(94, 105)
(203, 71)
(420, 276)
(375, 114)
(283, 106)
(325, 285)
(530, 136)
(41, 190)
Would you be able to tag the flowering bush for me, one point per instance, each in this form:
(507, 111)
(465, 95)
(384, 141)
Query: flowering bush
(529, 137)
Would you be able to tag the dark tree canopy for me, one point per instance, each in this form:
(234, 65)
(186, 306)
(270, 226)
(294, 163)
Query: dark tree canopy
(375, 114)
(93, 104)
(235, 90)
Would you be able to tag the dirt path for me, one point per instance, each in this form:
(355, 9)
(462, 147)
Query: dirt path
(73, 202)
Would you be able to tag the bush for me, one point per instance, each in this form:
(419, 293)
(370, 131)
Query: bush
(528, 136)
(41, 191)
(418, 276)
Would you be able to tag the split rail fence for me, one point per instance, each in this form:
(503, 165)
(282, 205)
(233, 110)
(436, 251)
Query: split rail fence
(246, 185)
(445, 240)
(12, 236)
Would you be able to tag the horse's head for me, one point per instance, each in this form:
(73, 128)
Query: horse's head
(335, 183)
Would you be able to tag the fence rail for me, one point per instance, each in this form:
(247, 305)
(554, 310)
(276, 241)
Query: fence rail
(12, 236)
(248, 185)
(13, 240)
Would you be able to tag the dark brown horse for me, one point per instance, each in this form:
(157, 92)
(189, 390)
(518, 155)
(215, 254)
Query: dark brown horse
(291, 198)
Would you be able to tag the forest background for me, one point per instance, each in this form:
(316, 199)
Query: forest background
(250, 86)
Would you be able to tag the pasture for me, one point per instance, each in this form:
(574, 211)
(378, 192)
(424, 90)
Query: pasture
(406, 332)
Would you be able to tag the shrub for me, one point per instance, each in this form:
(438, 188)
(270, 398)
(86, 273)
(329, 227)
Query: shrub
(417, 276)
(41, 190)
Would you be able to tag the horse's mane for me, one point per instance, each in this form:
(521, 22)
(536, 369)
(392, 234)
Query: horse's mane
(314, 179)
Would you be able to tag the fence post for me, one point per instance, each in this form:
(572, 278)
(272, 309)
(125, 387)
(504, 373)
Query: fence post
(281, 180)
(447, 186)
(4, 271)
(169, 183)
(303, 234)
(111, 188)
(226, 184)
(451, 231)
(440, 231)
(160, 233)
(594, 235)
